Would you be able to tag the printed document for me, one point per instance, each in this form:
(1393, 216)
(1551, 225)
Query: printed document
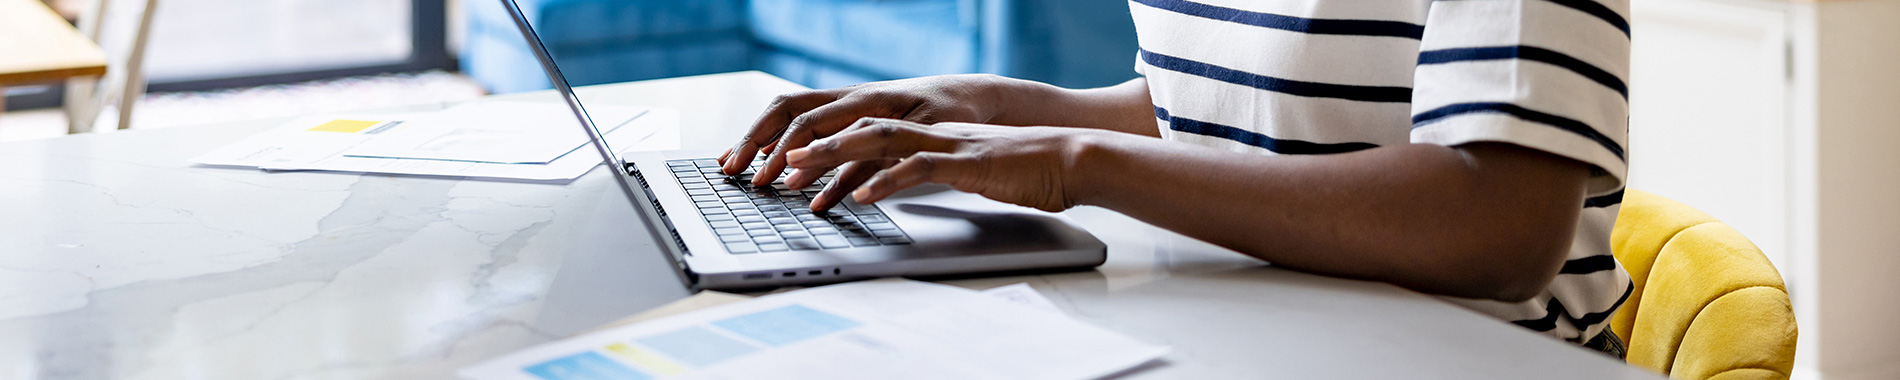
(499, 132)
(320, 143)
(881, 329)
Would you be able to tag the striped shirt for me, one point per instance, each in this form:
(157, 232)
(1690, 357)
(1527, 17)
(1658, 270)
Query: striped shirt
(1333, 76)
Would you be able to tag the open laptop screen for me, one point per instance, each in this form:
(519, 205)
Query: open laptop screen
(562, 86)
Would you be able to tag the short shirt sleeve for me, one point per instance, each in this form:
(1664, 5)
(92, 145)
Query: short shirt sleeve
(1546, 75)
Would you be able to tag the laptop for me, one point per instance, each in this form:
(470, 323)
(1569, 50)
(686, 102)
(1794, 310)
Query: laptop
(727, 234)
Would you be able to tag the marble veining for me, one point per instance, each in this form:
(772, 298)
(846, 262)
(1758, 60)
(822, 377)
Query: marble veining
(118, 260)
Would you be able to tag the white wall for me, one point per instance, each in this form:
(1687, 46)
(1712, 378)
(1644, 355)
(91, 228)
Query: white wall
(1856, 61)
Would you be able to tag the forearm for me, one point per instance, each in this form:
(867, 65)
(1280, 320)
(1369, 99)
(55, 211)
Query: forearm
(1426, 217)
(1125, 107)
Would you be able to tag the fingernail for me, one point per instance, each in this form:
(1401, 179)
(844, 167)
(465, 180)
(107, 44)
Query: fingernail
(796, 155)
(861, 194)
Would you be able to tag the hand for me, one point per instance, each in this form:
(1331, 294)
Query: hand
(794, 120)
(1025, 166)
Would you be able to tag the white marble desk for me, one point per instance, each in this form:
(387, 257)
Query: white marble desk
(119, 260)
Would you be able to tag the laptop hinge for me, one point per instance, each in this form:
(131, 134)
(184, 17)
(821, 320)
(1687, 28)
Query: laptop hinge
(678, 241)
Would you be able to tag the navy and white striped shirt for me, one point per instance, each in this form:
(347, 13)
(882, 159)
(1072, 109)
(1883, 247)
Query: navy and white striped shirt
(1334, 76)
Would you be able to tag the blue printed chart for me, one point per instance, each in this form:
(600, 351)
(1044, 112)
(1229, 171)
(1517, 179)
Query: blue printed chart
(866, 330)
(699, 346)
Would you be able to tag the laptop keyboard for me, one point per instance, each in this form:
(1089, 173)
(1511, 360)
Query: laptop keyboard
(776, 218)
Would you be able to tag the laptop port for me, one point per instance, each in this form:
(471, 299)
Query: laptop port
(789, 274)
(756, 276)
(814, 273)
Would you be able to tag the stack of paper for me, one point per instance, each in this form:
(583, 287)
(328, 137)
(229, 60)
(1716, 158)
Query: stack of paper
(518, 140)
(884, 329)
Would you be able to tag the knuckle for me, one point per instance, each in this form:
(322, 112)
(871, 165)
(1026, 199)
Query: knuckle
(888, 130)
(826, 146)
(798, 122)
(863, 122)
(926, 164)
(783, 100)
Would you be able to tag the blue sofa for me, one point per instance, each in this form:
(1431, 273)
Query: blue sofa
(818, 43)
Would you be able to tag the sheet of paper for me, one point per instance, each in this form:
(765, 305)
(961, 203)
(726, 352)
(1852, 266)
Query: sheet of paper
(501, 132)
(656, 130)
(882, 329)
(305, 139)
(318, 143)
(1021, 294)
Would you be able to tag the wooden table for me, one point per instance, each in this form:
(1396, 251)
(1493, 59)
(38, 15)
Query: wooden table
(37, 46)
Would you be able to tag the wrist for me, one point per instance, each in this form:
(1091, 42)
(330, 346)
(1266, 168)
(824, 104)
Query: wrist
(1007, 98)
(1090, 156)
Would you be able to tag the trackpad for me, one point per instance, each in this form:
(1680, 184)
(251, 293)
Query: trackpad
(939, 216)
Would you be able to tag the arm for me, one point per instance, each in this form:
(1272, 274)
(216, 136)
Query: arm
(1481, 220)
(1125, 107)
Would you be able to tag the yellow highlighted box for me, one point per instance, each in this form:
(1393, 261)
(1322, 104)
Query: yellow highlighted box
(645, 359)
(345, 126)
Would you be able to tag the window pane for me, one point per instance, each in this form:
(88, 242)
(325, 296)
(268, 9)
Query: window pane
(203, 39)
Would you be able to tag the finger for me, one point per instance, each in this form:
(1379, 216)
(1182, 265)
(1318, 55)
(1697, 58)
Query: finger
(926, 167)
(849, 177)
(819, 122)
(871, 139)
(771, 124)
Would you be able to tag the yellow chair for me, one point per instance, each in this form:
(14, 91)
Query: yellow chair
(1707, 303)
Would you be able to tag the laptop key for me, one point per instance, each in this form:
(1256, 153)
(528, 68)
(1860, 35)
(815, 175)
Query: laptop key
(725, 224)
(894, 240)
(729, 231)
(787, 227)
(802, 244)
(751, 219)
(776, 247)
(768, 240)
(880, 226)
(824, 231)
(861, 209)
(758, 233)
(887, 233)
(867, 219)
(718, 217)
(833, 241)
(778, 214)
(700, 192)
(734, 238)
(862, 241)
(795, 235)
(741, 248)
(757, 226)
(856, 233)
